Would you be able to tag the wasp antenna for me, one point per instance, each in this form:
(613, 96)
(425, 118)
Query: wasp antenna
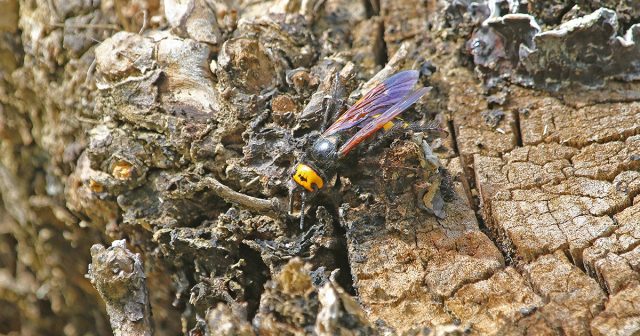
(290, 210)
(303, 197)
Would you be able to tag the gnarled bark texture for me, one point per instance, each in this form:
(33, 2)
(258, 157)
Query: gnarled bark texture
(174, 125)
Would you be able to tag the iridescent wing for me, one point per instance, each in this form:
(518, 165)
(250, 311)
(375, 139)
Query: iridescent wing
(377, 123)
(376, 101)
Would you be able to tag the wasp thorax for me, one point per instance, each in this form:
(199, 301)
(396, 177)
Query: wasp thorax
(324, 150)
(307, 177)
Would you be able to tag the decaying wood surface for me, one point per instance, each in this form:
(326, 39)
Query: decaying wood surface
(174, 124)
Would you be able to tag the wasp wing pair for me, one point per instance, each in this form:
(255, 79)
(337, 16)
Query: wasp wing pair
(376, 108)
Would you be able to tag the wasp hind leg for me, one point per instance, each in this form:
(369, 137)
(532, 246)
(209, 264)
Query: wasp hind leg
(332, 104)
(391, 129)
(397, 127)
(432, 127)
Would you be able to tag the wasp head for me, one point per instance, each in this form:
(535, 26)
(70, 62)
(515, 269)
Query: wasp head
(307, 177)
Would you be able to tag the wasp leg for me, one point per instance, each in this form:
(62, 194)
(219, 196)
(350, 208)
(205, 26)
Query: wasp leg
(431, 127)
(326, 117)
(396, 129)
(331, 102)
(399, 126)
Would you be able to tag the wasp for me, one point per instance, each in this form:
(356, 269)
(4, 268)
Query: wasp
(376, 110)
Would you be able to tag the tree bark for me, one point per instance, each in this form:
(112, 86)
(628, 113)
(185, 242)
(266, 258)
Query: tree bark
(175, 125)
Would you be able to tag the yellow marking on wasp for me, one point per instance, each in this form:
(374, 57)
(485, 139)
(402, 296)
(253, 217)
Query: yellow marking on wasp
(389, 124)
(306, 177)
